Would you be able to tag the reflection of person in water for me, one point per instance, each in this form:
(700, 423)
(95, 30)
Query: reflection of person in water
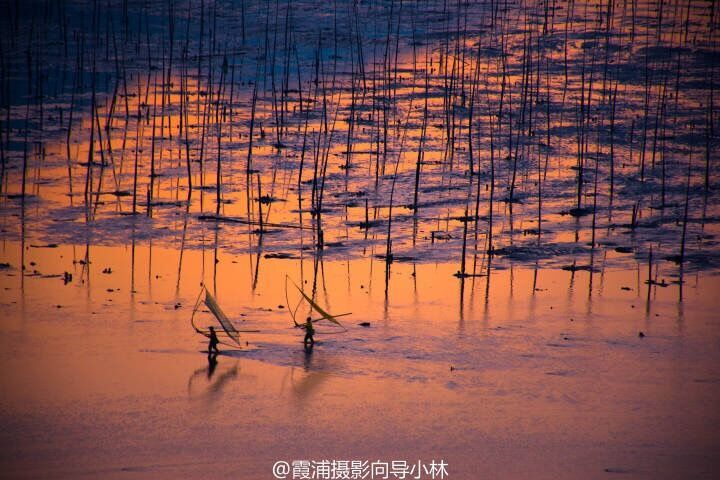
(309, 341)
(212, 345)
(212, 364)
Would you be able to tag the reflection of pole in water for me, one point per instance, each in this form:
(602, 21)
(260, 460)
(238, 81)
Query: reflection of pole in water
(680, 318)
(215, 257)
(512, 279)
(387, 280)
(591, 271)
(261, 229)
(132, 260)
(571, 283)
(22, 241)
(532, 303)
(462, 299)
(649, 280)
(150, 248)
(256, 274)
(680, 282)
(487, 283)
(602, 273)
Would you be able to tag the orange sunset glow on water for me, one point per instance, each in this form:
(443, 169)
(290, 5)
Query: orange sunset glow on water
(499, 216)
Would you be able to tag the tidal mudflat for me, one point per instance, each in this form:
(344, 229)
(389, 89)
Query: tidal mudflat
(517, 201)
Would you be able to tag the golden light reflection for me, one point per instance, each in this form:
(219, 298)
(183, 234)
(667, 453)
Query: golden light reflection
(516, 201)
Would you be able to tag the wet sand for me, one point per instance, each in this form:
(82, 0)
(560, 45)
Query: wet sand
(519, 198)
(555, 384)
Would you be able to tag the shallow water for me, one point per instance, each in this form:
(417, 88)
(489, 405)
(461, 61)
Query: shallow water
(523, 360)
(552, 383)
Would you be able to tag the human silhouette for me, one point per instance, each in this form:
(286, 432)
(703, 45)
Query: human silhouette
(309, 341)
(212, 345)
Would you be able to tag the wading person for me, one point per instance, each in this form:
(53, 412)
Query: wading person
(212, 345)
(309, 341)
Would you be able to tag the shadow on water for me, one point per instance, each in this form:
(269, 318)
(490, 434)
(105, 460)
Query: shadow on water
(210, 390)
(304, 382)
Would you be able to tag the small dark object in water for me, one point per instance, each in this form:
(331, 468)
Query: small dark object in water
(641, 335)
(364, 324)
(459, 274)
(440, 235)
(279, 255)
(267, 200)
(452, 368)
(674, 258)
(466, 218)
(577, 268)
(281, 306)
(616, 470)
(4, 266)
(577, 212)
(625, 288)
